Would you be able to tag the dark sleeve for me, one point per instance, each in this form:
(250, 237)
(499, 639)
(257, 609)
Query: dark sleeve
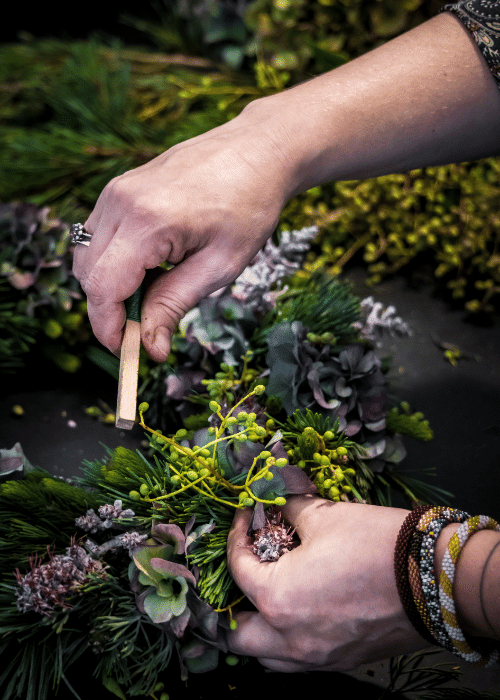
(482, 19)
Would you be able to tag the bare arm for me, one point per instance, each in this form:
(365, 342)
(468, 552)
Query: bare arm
(208, 204)
(424, 98)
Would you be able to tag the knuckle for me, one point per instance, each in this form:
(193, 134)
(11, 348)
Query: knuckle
(173, 308)
(94, 289)
(276, 613)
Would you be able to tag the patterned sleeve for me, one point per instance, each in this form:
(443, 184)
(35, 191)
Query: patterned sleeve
(482, 19)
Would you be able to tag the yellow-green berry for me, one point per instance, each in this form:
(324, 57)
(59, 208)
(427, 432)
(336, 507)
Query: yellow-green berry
(232, 660)
(259, 389)
(328, 435)
(281, 462)
(214, 406)
(143, 406)
(233, 624)
(191, 475)
(341, 450)
(280, 501)
(268, 476)
(135, 495)
(265, 454)
(144, 490)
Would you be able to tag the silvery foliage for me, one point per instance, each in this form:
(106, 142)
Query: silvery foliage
(377, 319)
(271, 264)
(91, 522)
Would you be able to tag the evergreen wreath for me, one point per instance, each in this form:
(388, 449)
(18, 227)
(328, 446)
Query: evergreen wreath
(271, 390)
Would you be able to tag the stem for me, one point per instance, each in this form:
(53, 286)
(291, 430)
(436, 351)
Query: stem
(228, 607)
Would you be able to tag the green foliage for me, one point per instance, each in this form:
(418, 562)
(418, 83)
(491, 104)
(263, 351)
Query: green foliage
(444, 216)
(405, 423)
(36, 513)
(413, 673)
(36, 653)
(97, 111)
(298, 36)
(17, 331)
(41, 299)
(325, 305)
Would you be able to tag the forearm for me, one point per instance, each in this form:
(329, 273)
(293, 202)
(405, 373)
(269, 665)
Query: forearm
(424, 98)
(477, 581)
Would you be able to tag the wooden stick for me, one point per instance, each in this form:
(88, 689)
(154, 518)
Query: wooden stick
(126, 406)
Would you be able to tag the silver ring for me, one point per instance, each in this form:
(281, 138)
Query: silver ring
(79, 235)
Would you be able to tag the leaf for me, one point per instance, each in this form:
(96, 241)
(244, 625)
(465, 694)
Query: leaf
(170, 569)
(158, 608)
(143, 557)
(113, 687)
(13, 463)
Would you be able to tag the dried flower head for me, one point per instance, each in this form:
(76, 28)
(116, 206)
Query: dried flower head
(274, 539)
(91, 522)
(49, 585)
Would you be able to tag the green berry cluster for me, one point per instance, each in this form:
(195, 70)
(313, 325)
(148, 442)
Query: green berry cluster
(199, 468)
(322, 339)
(327, 459)
(227, 382)
(332, 476)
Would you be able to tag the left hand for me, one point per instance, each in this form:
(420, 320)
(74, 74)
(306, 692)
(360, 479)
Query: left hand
(331, 603)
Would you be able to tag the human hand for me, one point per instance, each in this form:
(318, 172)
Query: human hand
(206, 205)
(331, 603)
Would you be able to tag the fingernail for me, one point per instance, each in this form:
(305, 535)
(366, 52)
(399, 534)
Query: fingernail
(162, 340)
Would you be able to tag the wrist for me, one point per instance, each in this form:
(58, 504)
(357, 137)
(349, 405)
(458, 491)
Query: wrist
(475, 588)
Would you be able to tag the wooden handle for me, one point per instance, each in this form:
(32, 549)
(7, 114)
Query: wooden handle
(126, 406)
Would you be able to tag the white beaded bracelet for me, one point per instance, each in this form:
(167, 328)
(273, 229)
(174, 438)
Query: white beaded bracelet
(487, 654)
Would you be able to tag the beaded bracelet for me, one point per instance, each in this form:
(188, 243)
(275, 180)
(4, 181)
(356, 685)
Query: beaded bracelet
(486, 653)
(430, 591)
(407, 574)
(430, 609)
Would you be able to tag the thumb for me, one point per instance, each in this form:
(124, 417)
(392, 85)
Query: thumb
(175, 292)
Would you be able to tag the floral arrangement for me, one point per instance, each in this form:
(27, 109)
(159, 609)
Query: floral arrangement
(271, 390)
(42, 302)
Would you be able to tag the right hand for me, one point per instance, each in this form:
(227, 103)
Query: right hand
(206, 205)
